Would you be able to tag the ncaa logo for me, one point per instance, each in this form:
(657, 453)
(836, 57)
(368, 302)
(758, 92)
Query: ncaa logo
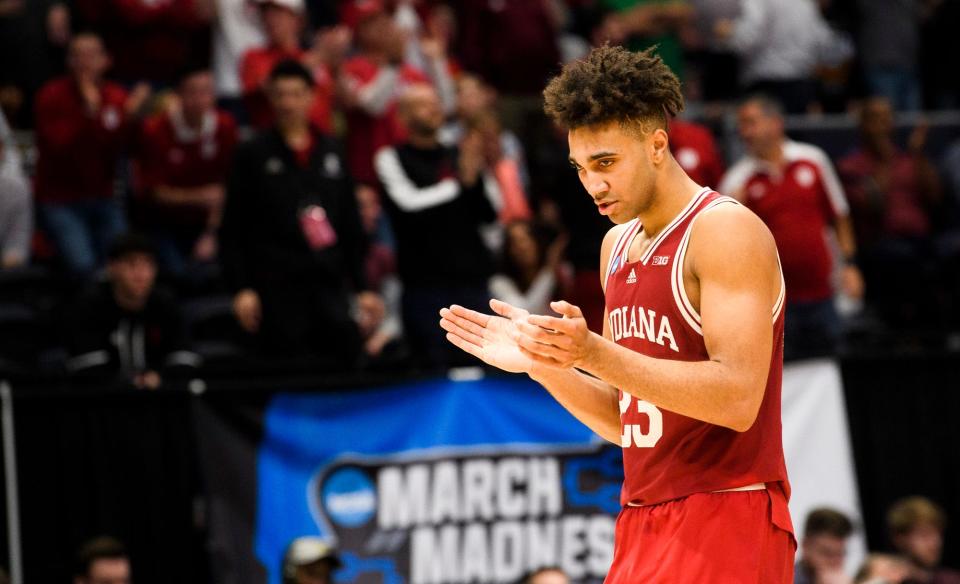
(349, 497)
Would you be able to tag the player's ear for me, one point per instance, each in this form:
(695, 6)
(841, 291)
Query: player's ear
(659, 145)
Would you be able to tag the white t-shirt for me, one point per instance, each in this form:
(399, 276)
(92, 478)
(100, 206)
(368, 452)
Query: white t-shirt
(236, 30)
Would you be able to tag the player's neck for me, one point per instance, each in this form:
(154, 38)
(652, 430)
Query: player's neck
(673, 190)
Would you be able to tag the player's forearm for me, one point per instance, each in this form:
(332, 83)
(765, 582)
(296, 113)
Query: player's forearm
(710, 391)
(590, 400)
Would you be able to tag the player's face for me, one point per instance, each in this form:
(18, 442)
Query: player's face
(617, 167)
(824, 553)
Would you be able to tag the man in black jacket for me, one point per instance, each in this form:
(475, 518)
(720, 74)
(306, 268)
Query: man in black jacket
(292, 244)
(125, 330)
(438, 200)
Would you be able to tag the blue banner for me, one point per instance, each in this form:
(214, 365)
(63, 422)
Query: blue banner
(438, 481)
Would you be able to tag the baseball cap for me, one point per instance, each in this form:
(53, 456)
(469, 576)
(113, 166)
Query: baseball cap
(294, 5)
(309, 549)
(354, 12)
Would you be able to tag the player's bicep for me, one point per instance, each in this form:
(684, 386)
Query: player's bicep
(737, 267)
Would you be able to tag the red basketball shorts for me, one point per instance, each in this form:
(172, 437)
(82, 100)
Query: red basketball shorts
(710, 538)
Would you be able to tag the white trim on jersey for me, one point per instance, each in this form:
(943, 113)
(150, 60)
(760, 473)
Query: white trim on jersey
(616, 252)
(684, 305)
(781, 298)
(691, 206)
(689, 313)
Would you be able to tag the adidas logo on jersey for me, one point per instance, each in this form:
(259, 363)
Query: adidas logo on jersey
(660, 260)
(632, 278)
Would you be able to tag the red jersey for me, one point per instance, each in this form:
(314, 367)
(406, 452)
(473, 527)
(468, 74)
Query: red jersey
(255, 68)
(696, 152)
(368, 133)
(172, 154)
(666, 455)
(797, 204)
(77, 150)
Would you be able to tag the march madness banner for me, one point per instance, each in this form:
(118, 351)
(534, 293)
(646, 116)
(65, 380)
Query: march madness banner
(421, 483)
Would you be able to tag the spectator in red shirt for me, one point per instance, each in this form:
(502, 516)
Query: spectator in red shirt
(182, 164)
(893, 196)
(793, 188)
(150, 39)
(283, 22)
(696, 151)
(81, 124)
(371, 82)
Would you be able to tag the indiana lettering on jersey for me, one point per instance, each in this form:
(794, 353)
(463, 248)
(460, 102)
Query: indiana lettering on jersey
(640, 323)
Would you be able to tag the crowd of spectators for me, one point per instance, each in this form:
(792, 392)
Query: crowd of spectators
(915, 528)
(312, 180)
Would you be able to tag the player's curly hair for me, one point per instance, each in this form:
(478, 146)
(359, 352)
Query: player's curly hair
(613, 84)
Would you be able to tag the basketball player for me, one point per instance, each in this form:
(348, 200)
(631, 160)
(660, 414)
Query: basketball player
(686, 377)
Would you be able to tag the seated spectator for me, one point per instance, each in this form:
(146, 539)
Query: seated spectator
(549, 575)
(695, 150)
(182, 162)
(527, 277)
(283, 22)
(291, 242)
(149, 40)
(125, 330)
(894, 196)
(310, 560)
(794, 189)
(823, 548)
(16, 206)
(102, 560)
(438, 199)
(370, 83)
(916, 527)
(81, 128)
(883, 569)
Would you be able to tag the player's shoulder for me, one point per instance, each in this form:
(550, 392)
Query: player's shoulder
(731, 228)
